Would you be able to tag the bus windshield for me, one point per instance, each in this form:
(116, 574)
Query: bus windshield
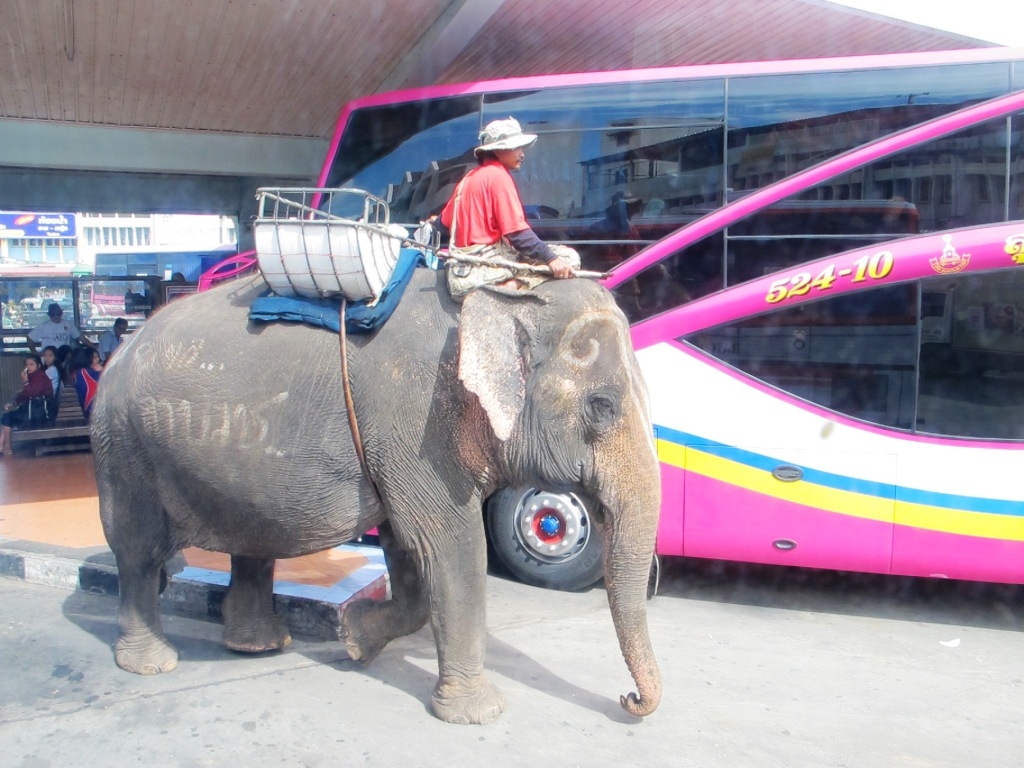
(624, 162)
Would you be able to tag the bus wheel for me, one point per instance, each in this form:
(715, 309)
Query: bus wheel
(545, 539)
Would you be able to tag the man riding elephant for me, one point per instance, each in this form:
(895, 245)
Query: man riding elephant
(485, 217)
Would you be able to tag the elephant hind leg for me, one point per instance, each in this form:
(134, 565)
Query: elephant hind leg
(142, 647)
(250, 624)
(369, 625)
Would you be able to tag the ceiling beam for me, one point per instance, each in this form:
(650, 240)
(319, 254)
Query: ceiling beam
(45, 144)
(440, 45)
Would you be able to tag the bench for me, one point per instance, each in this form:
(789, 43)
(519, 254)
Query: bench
(68, 432)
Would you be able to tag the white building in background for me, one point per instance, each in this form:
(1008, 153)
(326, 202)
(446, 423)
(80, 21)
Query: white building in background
(121, 244)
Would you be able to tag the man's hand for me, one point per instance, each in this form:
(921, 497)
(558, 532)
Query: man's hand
(561, 269)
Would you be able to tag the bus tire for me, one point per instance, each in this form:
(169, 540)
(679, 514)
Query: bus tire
(545, 539)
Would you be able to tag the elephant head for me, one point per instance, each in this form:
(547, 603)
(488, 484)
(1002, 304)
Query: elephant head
(553, 369)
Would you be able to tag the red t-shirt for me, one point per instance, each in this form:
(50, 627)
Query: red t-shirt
(489, 207)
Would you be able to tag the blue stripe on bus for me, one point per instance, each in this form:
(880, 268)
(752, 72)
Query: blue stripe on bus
(844, 482)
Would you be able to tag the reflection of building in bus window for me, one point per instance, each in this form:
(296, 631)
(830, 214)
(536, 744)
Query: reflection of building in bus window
(655, 207)
(698, 268)
(614, 225)
(651, 292)
(659, 291)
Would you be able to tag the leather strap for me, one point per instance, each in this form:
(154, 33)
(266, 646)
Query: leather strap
(353, 423)
(455, 209)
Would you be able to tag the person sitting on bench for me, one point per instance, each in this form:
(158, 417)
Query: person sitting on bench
(53, 369)
(27, 406)
(86, 365)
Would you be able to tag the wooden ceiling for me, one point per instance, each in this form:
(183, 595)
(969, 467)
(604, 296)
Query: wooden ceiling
(283, 68)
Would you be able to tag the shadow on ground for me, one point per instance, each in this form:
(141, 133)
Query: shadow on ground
(942, 601)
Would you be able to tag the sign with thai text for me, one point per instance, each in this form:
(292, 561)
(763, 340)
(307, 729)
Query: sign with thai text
(24, 224)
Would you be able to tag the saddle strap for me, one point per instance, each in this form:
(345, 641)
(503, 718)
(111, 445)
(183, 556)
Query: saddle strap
(353, 423)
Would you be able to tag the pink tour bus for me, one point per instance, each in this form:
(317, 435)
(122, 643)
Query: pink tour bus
(823, 265)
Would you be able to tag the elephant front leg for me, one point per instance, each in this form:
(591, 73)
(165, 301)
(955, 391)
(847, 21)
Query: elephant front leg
(457, 579)
(454, 575)
(250, 624)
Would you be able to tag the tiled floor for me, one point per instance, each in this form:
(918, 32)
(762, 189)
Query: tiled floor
(51, 501)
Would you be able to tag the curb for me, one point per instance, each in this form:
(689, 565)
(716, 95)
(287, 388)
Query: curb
(320, 619)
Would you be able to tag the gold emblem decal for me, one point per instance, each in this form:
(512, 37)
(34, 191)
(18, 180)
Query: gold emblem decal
(1015, 247)
(950, 260)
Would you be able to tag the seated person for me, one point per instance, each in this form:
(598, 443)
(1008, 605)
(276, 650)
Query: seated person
(110, 340)
(485, 217)
(87, 369)
(53, 369)
(19, 410)
(63, 363)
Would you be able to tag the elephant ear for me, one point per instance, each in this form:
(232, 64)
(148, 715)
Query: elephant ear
(494, 353)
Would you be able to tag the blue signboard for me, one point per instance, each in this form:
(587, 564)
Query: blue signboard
(24, 224)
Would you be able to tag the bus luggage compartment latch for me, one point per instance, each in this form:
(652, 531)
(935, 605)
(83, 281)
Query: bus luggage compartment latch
(787, 473)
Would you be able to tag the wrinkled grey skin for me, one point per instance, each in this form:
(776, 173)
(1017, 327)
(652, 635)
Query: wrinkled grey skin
(214, 432)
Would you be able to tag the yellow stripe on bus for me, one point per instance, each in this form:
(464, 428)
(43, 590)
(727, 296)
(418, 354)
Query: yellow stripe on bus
(960, 521)
(939, 519)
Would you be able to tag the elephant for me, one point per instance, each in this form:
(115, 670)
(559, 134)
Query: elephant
(214, 431)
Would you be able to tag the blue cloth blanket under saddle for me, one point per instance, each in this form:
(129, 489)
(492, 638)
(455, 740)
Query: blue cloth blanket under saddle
(323, 313)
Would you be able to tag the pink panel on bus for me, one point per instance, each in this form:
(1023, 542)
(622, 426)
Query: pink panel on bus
(916, 552)
(978, 248)
(670, 524)
(728, 522)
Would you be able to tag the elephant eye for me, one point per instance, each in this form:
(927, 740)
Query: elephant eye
(602, 410)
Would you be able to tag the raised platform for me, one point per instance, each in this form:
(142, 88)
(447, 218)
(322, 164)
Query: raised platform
(50, 533)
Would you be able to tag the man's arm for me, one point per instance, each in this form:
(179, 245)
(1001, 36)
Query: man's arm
(527, 243)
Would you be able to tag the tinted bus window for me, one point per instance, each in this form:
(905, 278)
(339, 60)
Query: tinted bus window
(405, 153)
(831, 112)
(855, 354)
(972, 356)
(656, 147)
(815, 117)
(1015, 195)
(944, 356)
(622, 165)
(975, 176)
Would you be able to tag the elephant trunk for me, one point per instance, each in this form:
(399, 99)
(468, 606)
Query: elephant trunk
(631, 517)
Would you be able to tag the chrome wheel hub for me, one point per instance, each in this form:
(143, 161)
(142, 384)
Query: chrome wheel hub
(553, 527)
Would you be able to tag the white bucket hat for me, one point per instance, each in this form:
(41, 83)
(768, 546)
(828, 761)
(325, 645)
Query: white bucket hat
(503, 134)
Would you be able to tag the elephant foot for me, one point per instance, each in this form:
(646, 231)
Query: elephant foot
(468, 702)
(149, 656)
(361, 642)
(271, 635)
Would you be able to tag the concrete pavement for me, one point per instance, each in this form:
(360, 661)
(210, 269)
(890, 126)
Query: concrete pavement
(761, 667)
